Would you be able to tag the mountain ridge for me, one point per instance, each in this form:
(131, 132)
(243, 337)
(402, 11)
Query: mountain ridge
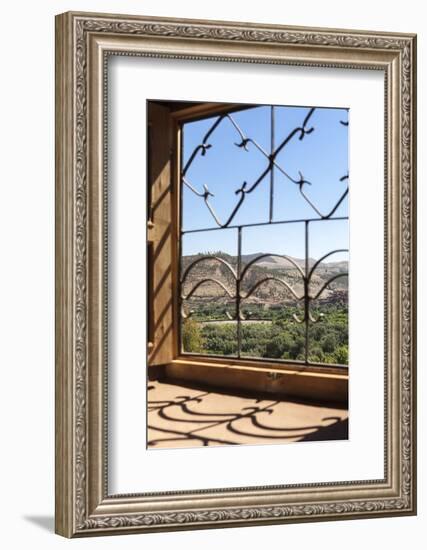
(271, 260)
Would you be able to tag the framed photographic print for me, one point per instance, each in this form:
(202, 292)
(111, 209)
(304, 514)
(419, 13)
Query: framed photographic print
(235, 274)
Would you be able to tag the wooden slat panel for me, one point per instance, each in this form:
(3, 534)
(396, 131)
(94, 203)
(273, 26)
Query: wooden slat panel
(160, 232)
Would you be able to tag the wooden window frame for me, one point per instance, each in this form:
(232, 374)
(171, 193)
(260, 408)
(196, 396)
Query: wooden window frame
(326, 383)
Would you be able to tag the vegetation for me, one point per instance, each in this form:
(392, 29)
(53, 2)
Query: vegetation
(276, 336)
(270, 329)
(192, 339)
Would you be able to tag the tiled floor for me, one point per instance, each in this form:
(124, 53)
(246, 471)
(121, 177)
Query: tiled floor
(182, 416)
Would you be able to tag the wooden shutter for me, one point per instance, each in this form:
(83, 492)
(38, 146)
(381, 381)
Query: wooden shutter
(161, 236)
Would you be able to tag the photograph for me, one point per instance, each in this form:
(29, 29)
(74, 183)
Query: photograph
(235, 272)
(213, 266)
(263, 263)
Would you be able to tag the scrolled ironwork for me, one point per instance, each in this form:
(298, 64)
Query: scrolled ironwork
(203, 282)
(245, 189)
(266, 280)
(328, 282)
(262, 256)
(238, 275)
(204, 259)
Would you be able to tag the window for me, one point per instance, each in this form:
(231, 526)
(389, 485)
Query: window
(263, 251)
(248, 235)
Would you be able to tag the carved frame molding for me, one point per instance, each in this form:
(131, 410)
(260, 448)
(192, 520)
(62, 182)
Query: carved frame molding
(83, 42)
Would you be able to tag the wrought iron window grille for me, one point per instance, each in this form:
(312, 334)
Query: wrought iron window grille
(238, 274)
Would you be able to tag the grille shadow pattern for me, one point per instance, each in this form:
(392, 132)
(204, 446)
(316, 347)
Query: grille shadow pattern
(194, 416)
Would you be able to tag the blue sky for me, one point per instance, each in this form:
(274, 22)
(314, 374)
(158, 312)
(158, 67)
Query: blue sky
(322, 157)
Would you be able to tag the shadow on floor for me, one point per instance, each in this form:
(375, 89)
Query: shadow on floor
(334, 432)
(195, 415)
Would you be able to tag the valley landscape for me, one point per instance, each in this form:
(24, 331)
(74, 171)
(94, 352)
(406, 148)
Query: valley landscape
(269, 310)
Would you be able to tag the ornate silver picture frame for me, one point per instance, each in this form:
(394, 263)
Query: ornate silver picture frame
(84, 504)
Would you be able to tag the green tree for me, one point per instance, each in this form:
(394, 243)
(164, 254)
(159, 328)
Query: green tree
(341, 355)
(316, 354)
(278, 345)
(329, 343)
(192, 339)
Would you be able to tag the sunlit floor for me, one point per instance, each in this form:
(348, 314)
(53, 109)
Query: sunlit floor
(183, 416)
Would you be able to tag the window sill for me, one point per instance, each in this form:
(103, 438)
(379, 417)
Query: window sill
(322, 384)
